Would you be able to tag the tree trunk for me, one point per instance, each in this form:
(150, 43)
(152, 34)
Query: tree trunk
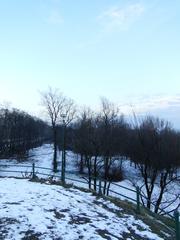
(162, 185)
(95, 173)
(81, 167)
(88, 159)
(106, 170)
(55, 149)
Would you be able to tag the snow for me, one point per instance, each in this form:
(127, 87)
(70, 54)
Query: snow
(54, 212)
(42, 157)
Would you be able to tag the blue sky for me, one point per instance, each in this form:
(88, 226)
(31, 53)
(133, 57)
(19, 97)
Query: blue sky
(128, 51)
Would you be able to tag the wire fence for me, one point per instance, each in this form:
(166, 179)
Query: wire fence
(32, 171)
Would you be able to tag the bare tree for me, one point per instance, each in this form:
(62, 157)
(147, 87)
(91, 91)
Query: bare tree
(108, 118)
(69, 111)
(82, 143)
(154, 147)
(98, 139)
(54, 102)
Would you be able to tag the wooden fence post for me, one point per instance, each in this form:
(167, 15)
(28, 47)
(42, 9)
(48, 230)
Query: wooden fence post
(100, 187)
(138, 200)
(33, 171)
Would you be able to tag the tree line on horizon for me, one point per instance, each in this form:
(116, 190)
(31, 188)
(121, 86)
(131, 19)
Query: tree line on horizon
(20, 132)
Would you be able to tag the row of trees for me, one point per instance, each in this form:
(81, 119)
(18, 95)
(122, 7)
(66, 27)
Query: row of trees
(104, 139)
(154, 147)
(99, 139)
(19, 131)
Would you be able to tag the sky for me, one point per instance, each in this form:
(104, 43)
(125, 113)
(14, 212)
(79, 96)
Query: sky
(127, 51)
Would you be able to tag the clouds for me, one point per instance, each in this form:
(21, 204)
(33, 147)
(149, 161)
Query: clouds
(153, 103)
(55, 17)
(121, 17)
(163, 106)
(51, 12)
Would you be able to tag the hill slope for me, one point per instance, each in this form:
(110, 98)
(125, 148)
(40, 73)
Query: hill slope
(31, 210)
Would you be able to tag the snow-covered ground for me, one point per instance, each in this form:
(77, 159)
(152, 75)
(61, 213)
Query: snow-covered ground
(30, 210)
(42, 157)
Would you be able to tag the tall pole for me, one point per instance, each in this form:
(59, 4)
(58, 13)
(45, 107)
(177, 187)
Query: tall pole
(63, 152)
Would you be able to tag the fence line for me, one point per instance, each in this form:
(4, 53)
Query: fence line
(34, 172)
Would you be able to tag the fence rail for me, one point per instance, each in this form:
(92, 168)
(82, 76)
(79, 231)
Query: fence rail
(31, 171)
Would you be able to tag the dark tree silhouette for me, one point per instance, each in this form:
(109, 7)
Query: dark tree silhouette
(53, 101)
